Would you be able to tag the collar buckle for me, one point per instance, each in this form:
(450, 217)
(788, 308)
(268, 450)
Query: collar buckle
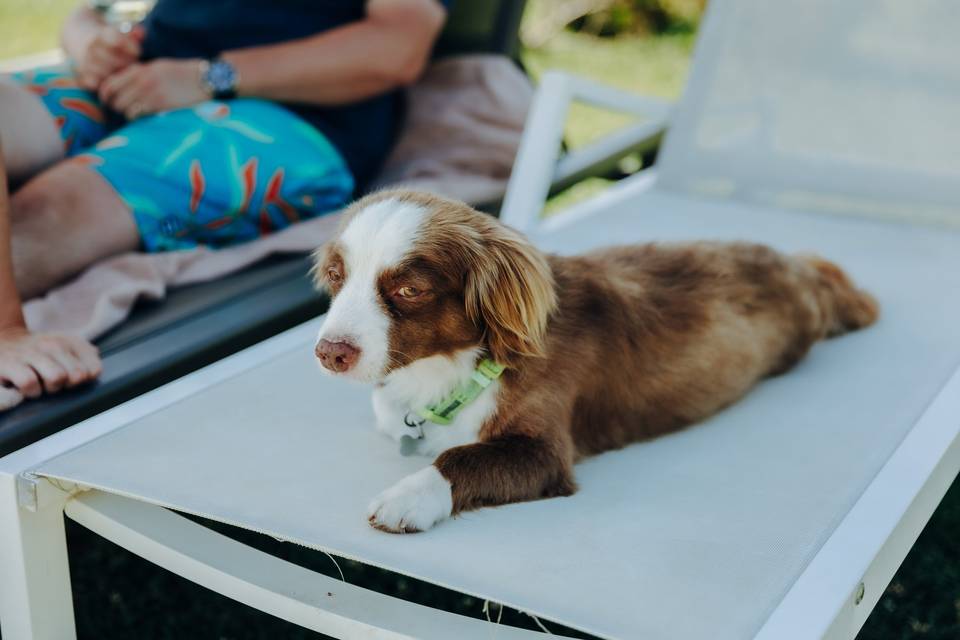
(446, 410)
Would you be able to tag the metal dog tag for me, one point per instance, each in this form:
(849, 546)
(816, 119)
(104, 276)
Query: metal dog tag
(408, 445)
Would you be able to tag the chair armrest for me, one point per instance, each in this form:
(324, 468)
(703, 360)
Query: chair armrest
(272, 585)
(602, 156)
(540, 170)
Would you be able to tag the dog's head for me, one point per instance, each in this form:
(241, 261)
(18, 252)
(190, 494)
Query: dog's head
(412, 276)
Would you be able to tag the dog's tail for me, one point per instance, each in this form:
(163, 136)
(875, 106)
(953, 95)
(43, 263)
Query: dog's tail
(846, 308)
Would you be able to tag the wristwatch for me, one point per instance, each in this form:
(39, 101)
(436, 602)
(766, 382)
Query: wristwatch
(219, 77)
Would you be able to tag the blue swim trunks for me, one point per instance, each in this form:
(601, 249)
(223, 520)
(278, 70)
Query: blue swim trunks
(217, 173)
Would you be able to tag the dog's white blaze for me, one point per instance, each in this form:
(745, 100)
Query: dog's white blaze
(424, 382)
(417, 502)
(376, 239)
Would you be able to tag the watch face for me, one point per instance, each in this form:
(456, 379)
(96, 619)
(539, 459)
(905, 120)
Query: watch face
(221, 76)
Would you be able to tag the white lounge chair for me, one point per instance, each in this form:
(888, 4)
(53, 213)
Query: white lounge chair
(827, 127)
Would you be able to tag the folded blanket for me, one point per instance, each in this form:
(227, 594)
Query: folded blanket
(464, 120)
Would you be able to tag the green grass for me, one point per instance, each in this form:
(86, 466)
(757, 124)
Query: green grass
(31, 26)
(118, 595)
(647, 66)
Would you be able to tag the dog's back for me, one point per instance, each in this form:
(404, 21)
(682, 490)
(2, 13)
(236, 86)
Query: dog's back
(656, 337)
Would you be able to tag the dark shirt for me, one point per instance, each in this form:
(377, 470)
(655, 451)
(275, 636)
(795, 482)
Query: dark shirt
(363, 131)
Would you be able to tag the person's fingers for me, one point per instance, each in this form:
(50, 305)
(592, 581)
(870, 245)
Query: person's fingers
(88, 355)
(130, 102)
(125, 51)
(110, 37)
(92, 72)
(9, 398)
(123, 81)
(109, 52)
(109, 87)
(100, 65)
(88, 81)
(22, 377)
(100, 54)
(104, 63)
(128, 47)
(104, 57)
(52, 374)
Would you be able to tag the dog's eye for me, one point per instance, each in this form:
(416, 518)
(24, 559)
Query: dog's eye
(333, 275)
(408, 292)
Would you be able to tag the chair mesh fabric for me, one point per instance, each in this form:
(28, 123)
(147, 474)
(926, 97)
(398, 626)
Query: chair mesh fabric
(848, 107)
(695, 535)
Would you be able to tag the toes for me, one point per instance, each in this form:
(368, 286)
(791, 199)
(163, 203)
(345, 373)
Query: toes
(9, 398)
(32, 364)
(76, 373)
(78, 357)
(388, 529)
(391, 522)
(386, 512)
(51, 373)
(89, 357)
(23, 379)
(415, 503)
(382, 516)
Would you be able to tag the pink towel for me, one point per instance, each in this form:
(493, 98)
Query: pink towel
(464, 120)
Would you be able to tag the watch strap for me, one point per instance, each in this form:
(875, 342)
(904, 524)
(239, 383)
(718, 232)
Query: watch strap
(219, 77)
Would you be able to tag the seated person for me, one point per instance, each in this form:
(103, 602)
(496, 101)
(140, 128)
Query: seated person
(204, 125)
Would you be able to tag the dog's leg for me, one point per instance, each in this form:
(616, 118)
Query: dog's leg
(498, 471)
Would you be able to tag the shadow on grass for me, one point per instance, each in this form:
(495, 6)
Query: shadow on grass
(119, 595)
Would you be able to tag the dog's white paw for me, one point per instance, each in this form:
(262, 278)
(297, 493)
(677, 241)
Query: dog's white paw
(416, 503)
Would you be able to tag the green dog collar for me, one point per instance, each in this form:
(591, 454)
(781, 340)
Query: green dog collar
(446, 410)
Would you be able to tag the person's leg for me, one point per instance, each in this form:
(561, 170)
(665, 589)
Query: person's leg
(64, 220)
(45, 116)
(28, 130)
(220, 173)
(32, 363)
(215, 174)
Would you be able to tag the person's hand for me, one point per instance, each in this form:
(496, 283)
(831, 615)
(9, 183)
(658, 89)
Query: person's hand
(34, 363)
(151, 87)
(109, 51)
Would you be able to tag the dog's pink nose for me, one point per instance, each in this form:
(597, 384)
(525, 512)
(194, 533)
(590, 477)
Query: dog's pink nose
(337, 356)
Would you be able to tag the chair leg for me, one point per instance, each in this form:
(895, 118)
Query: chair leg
(35, 598)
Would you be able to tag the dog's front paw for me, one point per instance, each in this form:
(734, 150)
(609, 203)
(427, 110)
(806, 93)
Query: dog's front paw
(416, 503)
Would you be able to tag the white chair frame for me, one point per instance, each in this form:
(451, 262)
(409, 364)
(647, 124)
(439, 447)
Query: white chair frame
(540, 169)
(831, 599)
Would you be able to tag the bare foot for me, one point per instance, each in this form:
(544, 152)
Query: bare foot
(36, 363)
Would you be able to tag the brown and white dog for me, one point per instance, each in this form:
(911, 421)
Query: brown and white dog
(604, 349)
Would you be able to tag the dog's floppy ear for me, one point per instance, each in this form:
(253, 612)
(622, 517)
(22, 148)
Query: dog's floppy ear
(321, 257)
(510, 292)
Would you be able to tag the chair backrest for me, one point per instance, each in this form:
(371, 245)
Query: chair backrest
(848, 106)
(481, 26)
